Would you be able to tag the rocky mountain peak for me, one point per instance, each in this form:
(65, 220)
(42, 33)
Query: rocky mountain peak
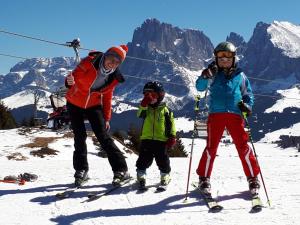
(238, 41)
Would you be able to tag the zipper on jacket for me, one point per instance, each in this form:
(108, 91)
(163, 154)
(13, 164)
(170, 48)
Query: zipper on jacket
(89, 96)
(153, 124)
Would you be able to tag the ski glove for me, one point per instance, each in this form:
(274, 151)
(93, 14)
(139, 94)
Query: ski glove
(170, 142)
(149, 98)
(210, 71)
(245, 108)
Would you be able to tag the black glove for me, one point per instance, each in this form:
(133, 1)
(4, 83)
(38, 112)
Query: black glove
(245, 108)
(210, 71)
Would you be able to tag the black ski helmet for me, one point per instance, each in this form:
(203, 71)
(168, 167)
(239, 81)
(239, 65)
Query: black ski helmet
(225, 46)
(156, 87)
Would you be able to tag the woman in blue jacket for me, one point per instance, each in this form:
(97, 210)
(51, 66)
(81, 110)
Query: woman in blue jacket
(228, 87)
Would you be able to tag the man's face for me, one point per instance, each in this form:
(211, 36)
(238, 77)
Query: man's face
(111, 62)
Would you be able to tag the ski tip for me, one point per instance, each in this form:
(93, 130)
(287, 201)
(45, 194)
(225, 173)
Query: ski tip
(256, 209)
(216, 209)
(160, 189)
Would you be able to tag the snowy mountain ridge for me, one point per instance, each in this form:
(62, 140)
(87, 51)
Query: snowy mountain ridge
(286, 36)
(175, 57)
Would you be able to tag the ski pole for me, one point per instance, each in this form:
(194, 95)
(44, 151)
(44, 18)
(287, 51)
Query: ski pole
(196, 110)
(251, 140)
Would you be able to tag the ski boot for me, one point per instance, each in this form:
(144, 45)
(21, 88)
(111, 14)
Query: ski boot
(165, 179)
(141, 179)
(119, 177)
(81, 177)
(254, 185)
(204, 185)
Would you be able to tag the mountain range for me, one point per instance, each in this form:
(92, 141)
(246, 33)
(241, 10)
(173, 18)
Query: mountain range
(175, 57)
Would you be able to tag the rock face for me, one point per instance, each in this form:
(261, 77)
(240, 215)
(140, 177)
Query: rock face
(159, 51)
(45, 73)
(238, 41)
(273, 52)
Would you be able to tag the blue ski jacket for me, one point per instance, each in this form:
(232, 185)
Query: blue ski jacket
(225, 94)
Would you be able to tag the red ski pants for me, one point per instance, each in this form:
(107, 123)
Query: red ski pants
(215, 127)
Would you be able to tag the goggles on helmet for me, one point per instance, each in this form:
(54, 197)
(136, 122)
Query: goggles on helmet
(225, 54)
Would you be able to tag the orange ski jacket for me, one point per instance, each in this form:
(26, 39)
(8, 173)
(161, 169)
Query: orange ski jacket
(80, 94)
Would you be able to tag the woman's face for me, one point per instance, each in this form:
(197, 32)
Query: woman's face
(111, 62)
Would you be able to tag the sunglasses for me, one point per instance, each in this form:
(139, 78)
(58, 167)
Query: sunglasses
(225, 54)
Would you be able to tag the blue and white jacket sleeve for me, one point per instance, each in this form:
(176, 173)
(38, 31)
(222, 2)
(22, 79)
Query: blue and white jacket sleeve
(201, 84)
(247, 94)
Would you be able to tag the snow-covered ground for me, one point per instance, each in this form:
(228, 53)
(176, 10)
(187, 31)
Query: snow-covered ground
(290, 98)
(35, 202)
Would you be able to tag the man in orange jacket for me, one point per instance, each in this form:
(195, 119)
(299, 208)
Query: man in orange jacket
(90, 90)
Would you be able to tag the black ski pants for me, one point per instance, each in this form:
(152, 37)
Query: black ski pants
(95, 117)
(152, 149)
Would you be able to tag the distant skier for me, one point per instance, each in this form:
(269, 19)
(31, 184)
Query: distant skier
(91, 85)
(229, 86)
(158, 133)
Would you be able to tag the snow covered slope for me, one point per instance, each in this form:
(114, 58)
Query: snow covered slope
(286, 36)
(35, 203)
(291, 98)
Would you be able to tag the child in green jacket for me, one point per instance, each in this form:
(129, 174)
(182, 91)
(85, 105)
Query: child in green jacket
(158, 133)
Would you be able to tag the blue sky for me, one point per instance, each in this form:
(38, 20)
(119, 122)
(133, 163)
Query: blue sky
(101, 24)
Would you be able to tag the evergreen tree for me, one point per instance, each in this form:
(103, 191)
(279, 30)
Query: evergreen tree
(7, 121)
(178, 150)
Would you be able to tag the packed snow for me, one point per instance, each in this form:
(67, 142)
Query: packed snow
(35, 202)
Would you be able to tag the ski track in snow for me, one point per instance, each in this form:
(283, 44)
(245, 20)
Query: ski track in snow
(35, 202)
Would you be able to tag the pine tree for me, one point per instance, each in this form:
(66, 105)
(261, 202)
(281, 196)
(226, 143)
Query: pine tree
(178, 150)
(7, 121)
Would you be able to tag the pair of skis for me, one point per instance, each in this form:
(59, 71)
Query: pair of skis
(91, 196)
(214, 206)
(69, 191)
(159, 188)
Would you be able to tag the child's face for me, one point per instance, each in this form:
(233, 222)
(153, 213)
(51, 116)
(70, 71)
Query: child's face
(153, 95)
(225, 59)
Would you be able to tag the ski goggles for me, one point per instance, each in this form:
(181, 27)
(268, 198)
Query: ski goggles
(225, 54)
(225, 59)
